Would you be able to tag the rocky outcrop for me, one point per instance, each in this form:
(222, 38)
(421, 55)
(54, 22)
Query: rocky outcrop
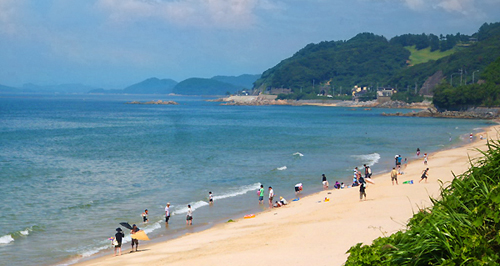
(253, 100)
(473, 113)
(159, 102)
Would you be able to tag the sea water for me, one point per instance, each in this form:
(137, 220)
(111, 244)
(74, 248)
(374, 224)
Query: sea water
(73, 167)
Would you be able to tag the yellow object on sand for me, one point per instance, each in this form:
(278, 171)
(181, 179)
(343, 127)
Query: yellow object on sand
(327, 199)
(140, 235)
(249, 216)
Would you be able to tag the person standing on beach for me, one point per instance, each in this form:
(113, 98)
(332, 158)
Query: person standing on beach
(394, 176)
(271, 196)
(425, 158)
(189, 216)
(261, 195)
(119, 238)
(135, 242)
(324, 181)
(167, 213)
(424, 175)
(418, 152)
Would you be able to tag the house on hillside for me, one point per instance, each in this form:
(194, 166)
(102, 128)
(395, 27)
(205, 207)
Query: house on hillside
(385, 94)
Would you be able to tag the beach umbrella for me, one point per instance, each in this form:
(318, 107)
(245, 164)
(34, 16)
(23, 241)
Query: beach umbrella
(126, 225)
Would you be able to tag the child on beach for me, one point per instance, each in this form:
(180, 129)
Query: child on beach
(325, 182)
(394, 176)
(424, 175)
(425, 158)
(362, 187)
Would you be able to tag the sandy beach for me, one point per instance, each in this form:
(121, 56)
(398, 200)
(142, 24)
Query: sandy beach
(311, 231)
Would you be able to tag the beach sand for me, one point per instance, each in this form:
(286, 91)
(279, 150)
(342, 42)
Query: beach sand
(311, 231)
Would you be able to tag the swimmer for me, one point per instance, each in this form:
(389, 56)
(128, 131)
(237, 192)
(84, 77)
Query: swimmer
(145, 216)
(210, 198)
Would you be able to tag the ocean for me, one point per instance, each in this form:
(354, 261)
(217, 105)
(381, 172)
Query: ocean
(72, 167)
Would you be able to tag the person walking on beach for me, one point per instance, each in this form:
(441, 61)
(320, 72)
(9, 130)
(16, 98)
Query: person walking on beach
(394, 176)
(271, 196)
(167, 213)
(189, 216)
(424, 175)
(145, 216)
(135, 242)
(362, 190)
(261, 194)
(119, 238)
(368, 171)
(425, 158)
(324, 181)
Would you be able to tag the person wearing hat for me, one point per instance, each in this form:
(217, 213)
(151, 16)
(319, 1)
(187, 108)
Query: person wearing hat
(119, 238)
(135, 242)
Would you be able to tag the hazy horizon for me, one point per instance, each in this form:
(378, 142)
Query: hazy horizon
(116, 43)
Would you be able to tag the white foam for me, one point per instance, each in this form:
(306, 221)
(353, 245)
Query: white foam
(281, 168)
(299, 154)
(194, 206)
(6, 239)
(25, 232)
(239, 191)
(368, 159)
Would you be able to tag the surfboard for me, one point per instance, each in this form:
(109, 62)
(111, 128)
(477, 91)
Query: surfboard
(141, 235)
(369, 180)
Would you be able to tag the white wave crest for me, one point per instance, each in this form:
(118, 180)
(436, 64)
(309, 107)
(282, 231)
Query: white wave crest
(299, 154)
(281, 168)
(239, 191)
(6, 239)
(194, 206)
(368, 159)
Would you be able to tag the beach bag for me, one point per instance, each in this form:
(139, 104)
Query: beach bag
(114, 243)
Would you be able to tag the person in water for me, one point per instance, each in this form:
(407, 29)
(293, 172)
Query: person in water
(189, 216)
(210, 198)
(261, 194)
(324, 181)
(167, 213)
(145, 216)
(135, 242)
(119, 239)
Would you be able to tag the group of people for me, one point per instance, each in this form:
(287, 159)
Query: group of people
(118, 239)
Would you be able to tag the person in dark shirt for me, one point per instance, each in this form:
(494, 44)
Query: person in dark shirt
(119, 238)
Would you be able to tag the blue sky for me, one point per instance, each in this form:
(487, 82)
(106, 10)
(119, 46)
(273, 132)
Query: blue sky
(115, 43)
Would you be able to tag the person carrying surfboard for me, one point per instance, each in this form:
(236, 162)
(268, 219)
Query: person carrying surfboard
(135, 241)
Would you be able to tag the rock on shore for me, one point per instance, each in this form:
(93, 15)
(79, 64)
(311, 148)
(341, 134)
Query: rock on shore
(253, 100)
(472, 113)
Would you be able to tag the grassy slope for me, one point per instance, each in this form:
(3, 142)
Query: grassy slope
(425, 55)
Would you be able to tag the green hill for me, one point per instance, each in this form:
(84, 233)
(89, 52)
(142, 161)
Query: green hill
(365, 59)
(373, 61)
(425, 55)
(202, 86)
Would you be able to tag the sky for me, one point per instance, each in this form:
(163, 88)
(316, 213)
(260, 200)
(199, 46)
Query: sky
(112, 44)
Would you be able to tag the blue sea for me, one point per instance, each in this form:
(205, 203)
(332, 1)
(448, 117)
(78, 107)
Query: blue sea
(72, 167)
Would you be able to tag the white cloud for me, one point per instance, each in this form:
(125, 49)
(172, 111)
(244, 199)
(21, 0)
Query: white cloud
(8, 13)
(192, 13)
(469, 8)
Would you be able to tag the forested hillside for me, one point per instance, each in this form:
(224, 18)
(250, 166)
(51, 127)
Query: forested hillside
(373, 61)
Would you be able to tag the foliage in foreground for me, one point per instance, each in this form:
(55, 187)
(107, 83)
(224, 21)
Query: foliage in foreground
(460, 229)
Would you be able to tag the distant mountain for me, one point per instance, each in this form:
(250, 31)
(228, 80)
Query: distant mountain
(152, 86)
(201, 86)
(244, 81)
(4, 88)
(61, 88)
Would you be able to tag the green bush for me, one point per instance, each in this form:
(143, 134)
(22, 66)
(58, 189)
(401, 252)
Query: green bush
(462, 228)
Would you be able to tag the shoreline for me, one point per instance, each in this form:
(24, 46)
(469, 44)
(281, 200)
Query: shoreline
(320, 231)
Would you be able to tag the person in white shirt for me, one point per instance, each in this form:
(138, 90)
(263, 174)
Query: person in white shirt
(271, 196)
(167, 213)
(189, 216)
